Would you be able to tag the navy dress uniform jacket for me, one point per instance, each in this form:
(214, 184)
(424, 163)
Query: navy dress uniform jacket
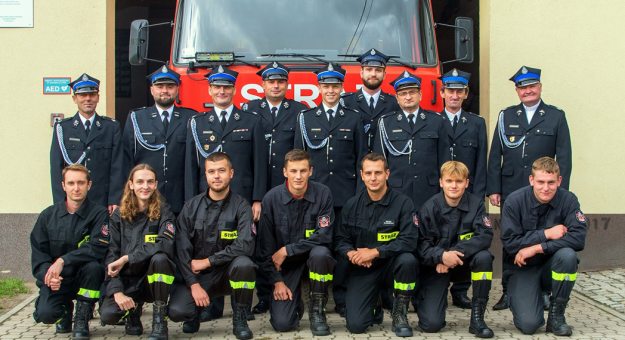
(78, 238)
(243, 140)
(336, 164)
(416, 173)
(104, 159)
(386, 103)
(523, 224)
(279, 134)
(171, 175)
(469, 145)
(546, 135)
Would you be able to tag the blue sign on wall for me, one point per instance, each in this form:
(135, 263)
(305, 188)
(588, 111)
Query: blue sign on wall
(54, 85)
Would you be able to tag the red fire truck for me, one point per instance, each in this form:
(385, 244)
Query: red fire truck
(245, 35)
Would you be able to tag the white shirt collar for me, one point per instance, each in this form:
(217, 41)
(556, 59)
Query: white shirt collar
(334, 110)
(83, 120)
(414, 119)
(376, 96)
(228, 110)
(529, 111)
(271, 106)
(452, 115)
(170, 110)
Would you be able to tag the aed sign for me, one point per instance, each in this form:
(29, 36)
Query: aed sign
(56, 85)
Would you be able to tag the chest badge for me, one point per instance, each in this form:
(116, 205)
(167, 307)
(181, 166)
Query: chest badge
(206, 146)
(212, 138)
(512, 138)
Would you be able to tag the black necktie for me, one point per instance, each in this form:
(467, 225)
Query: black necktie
(274, 114)
(165, 120)
(455, 123)
(88, 126)
(330, 116)
(411, 121)
(371, 107)
(223, 119)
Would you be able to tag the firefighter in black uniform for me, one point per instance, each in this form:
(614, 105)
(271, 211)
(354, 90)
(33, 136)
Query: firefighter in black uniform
(279, 117)
(378, 235)
(414, 141)
(523, 134)
(295, 234)
(542, 228)
(214, 243)
(157, 136)
(334, 136)
(454, 238)
(370, 101)
(68, 244)
(139, 265)
(91, 140)
(469, 145)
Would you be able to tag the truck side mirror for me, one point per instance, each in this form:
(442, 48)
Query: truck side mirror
(138, 48)
(464, 40)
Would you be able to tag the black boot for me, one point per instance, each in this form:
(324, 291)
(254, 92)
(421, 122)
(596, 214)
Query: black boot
(546, 301)
(478, 326)
(133, 321)
(317, 314)
(504, 303)
(556, 323)
(300, 309)
(461, 300)
(400, 316)
(159, 321)
(193, 325)
(261, 307)
(239, 322)
(378, 313)
(340, 308)
(81, 319)
(65, 324)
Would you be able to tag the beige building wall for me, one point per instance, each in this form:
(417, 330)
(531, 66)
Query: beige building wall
(579, 47)
(69, 37)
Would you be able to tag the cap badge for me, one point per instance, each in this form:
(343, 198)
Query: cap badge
(236, 116)
(454, 73)
(164, 69)
(275, 65)
(406, 75)
(372, 51)
(84, 77)
(422, 115)
(75, 123)
(524, 70)
(263, 105)
(330, 67)
(211, 118)
(221, 69)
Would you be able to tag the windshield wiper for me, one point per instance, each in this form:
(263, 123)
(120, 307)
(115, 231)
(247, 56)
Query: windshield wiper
(393, 58)
(308, 57)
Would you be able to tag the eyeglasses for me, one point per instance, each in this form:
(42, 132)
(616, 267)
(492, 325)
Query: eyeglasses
(411, 93)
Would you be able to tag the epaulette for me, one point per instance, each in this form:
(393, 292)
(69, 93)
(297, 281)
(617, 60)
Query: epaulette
(349, 109)
(554, 107)
(310, 109)
(186, 108)
(64, 120)
(250, 112)
(345, 94)
(109, 118)
(392, 113)
(139, 108)
(510, 107)
(203, 113)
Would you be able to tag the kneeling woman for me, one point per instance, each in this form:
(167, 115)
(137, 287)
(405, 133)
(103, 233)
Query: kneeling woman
(139, 257)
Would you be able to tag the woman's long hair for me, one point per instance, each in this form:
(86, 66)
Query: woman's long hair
(129, 207)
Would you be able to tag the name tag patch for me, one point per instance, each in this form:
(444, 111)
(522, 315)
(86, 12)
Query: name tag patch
(229, 235)
(150, 238)
(387, 236)
(309, 232)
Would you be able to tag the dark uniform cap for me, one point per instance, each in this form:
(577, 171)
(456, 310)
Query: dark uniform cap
(274, 70)
(373, 57)
(526, 76)
(406, 80)
(455, 79)
(330, 74)
(84, 84)
(164, 75)
(222, 76)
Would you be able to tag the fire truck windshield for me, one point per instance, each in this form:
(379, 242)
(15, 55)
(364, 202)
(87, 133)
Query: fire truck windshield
(329, 28)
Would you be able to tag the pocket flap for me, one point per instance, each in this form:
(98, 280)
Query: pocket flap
(288, 127)
(471, 143)
(546, 132)
(428, 134)
(345, 136)
(181, 139)
(243, 135)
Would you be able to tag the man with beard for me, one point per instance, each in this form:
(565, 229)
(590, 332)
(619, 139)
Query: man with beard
(214, 243)
(68, 243)
(523, 134)
(370, 101)
(91, 140)
(157, 135)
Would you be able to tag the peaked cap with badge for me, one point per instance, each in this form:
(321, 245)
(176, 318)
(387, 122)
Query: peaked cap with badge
(455, 79)
(406, 80)
(374, 58)
(274, 70)
(332, 73)
(526, 76)
(164, 75)
(222, 76)
(85, 84)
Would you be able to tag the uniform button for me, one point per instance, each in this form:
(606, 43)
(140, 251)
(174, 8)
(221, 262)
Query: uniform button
(416, 177)
(165, 181)
(166, 142)
(454, 144)
(414, 163)
(223, 142)
(274, 130)
(528, 133)
(88, 148)
(274, 166)
(331, 173)
(273, 142)
(331, 161)
(330, 136)
(455, 156)
(88, 159)
(165, 168)
(525, 155)
(526, 144)
(525, 167)
(330, 148)
(273, 154)
(412, 138)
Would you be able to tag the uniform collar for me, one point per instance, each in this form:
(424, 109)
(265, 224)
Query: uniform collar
(385, 200)
(84, 120)
(463, 205)
(535, 203)
(223, 203)
(452, 115)
(376, 96)
(170, 110)
(286, 196)
(82, 211)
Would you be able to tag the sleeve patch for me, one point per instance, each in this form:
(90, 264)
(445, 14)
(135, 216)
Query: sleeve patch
(324, 221)
(170, 228)
(105, 229)
(415, 220)
(486, 221)
(580, 216)
(254, 228)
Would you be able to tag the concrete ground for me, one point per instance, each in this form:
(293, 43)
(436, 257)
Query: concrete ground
(591, 314)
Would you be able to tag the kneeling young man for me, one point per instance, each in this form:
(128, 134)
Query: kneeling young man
(296, 224)
(214, 243)
(542, 228)
(377, 235)
(454, 238)
(139, 265)
(68, 244)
